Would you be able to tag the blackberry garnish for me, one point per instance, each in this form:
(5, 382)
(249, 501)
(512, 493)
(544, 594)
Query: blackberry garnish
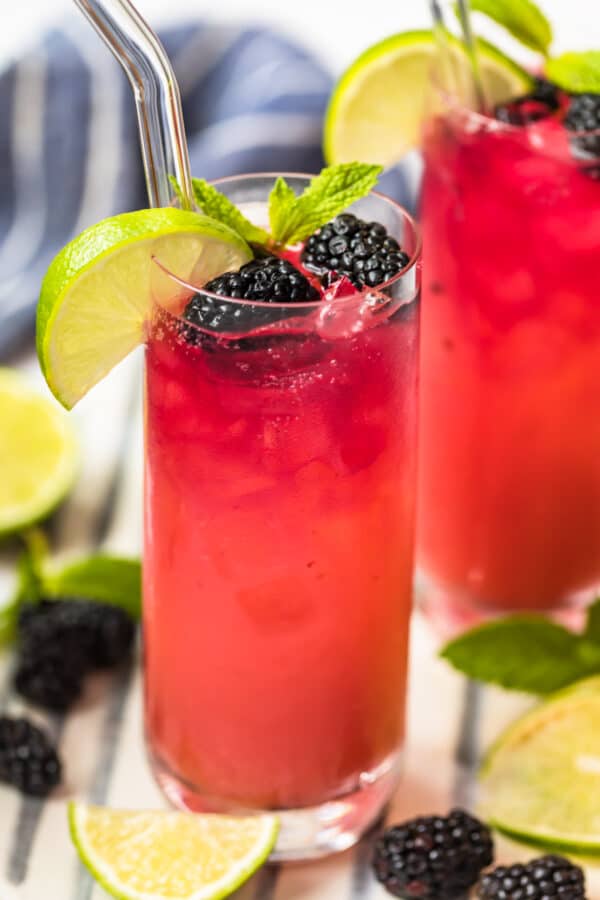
(584, 115)
(433, 857)
(28, 759)
(540, 102)
(541, 879)
(362, 251)
(268, 280)
(60, 641)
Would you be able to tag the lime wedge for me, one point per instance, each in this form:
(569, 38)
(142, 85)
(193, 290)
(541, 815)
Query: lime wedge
(38, 454)
(541, 780)
(96, 294)
(377, 108)
(168, 855)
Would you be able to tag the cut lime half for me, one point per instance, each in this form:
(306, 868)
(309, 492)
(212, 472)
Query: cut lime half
(378, 105)
(541, 780)
(97, 293)
(38, 454)
(167, 855)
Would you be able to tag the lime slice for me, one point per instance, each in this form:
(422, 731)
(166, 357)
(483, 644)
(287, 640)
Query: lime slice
(38, 454)
(541, 780)
(96, 294)
(154, 855)
(378, 105)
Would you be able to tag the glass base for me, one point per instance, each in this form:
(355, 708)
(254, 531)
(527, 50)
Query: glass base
(453, 612)
(309, 832)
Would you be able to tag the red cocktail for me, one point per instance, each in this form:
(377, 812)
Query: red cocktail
(279, 533)
(509, 503)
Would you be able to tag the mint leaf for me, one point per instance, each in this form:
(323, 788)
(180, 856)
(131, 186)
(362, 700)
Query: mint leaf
(522, 18)
(215, 204)
(327, 195)
(523, 653)
(107, 579)
(282, 200)
(592, 625)
(576, 72)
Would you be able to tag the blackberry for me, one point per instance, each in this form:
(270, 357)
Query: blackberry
(584, 115)
(545, 878)
(433, 857)
(60, 641)
(28, 759)
(362, 251)
(269, 280)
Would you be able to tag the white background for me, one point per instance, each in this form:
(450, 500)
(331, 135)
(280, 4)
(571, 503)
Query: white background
(335, 29)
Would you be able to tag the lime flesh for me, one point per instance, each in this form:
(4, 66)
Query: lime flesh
(38, 454)
(541, 780)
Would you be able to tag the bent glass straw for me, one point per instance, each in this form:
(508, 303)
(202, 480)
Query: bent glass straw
(157, 97)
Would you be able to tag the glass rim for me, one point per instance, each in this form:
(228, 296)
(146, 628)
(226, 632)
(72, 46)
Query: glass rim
(301, 304)
(487, 121)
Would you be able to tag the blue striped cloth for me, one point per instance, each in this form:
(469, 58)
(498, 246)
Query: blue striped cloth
(69, 154)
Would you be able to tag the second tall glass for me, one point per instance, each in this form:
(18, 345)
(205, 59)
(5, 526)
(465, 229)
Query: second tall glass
(280, 494)
(509, 493)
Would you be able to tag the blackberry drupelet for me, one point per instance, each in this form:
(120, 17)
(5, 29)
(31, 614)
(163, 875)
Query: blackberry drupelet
(433, 857)
(546, 878)
(60, 641)
(268, 280)
(584, 115)
(28, 759)
(362, 251)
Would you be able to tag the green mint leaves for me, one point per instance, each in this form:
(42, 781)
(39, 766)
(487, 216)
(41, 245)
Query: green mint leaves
(292, 218)
(576, 72)
(522, 18)
(216, 205)
(327, 195)
(108, 579)
(528, 653)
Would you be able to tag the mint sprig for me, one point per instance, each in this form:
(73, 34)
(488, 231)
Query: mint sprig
(528, 653)
(521, 18)
(327, 195)
(216, 205)
(576, 72)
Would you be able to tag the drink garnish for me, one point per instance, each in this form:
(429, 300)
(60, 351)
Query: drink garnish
(293, 218)
(577, 73)
(528, 653)
(523, 19)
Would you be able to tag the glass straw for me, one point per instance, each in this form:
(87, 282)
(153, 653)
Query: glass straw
(157, 97)
(472, 91)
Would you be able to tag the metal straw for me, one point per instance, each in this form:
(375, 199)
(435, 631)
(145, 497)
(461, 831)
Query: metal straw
(157, 97)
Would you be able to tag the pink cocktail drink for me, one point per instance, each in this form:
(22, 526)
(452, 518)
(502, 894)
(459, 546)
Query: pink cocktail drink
(280, 498)
(509, 507)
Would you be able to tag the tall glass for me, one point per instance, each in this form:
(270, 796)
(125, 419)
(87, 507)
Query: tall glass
(509, 484)
(280, 495)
